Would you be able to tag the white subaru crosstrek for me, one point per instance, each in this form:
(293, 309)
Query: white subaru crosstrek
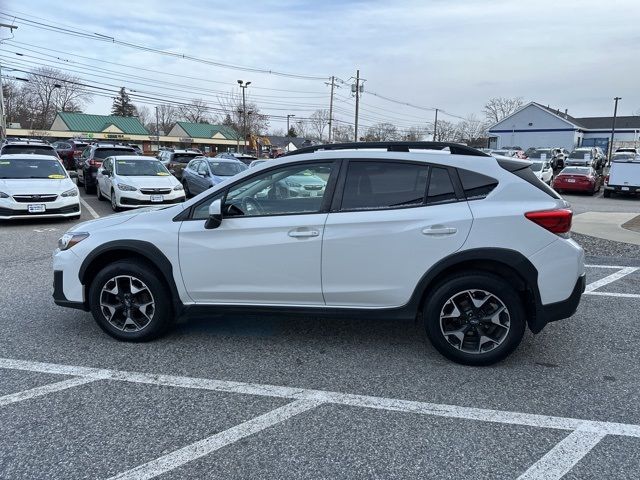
(132, 181)
(475, 247)
(36, 186)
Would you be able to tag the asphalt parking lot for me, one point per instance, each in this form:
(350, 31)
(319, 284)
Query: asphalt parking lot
(268, 397)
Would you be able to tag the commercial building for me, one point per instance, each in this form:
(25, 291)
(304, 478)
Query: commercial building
(536, 125)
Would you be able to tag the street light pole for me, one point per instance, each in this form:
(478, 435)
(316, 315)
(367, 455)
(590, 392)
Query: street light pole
(244, 86)
(435, 126)
(613, 127)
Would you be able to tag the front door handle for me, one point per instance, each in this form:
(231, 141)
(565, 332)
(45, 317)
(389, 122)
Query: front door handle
(303, 233)
(439, 230)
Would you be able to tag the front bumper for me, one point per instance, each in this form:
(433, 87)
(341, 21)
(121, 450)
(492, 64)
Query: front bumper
(58, 293)
(62, 207)
(138, 199)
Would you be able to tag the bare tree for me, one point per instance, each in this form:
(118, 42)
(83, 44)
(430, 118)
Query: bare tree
(147, 117)
(166, 119)
(50, 90)
(233, 115)
(342, 133)
(415, 134)
(302, 128)
(446, 131)
(498, 108)
(472, 128)
(197, 111)
(318, 122)
(381, 132)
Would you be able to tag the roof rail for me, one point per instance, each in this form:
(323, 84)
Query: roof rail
(454, 148)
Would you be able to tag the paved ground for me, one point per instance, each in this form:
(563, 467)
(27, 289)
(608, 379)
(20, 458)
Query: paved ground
(267, 397)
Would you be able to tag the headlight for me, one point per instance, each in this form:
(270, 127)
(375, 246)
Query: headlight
(70, 193)
(178, 187)
(3, 195)
(69, 239)
(126, 188)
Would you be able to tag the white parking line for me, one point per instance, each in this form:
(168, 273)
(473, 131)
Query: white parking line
(208, 445)
(322, 396)
(614, 294)
(45, 389)
(614, 267)
(562, 458)
(89, 208)
(623, 272)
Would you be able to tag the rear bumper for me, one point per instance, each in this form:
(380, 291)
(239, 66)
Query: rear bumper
(565, 308)
(621, 189)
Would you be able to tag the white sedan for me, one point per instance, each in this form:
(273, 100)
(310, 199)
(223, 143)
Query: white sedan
(543, 171)
(133, 181)
(36, 186)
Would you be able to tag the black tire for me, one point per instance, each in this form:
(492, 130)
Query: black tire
(99, 193)
(162, 310)
(498, 289)
(114, 205)
(606, 193)
(185, 185)
(79, 182)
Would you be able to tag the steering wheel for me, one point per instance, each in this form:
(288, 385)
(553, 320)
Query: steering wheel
(251, 207)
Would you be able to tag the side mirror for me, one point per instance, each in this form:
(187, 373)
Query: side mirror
(215, 215)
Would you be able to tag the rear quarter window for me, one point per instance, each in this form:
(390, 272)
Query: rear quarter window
(476, 186)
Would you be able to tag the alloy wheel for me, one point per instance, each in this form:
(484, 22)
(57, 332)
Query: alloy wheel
(127, 303)
(475, 321)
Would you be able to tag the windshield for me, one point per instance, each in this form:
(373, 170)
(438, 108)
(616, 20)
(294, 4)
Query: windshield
(226, 169)
(39, 149)
(576, 171)
(539, 153)
(581, 154)
(112, 152)
(31, 168)
(141, 168)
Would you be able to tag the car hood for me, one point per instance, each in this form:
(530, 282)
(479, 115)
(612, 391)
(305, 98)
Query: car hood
(25, 186)
(168, 181)
(307, 179)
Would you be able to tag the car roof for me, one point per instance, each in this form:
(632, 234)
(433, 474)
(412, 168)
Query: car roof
(221, 159)
(30, 156)
(133, 157)
(23, 142)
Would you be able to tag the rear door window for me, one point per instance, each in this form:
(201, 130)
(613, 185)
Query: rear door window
(441, 188)
(383, 185)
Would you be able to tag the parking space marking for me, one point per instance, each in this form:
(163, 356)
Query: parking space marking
(89, 208)
(45, 389)
(322, 396)
(614, 294)
(208, 445)
(623, 272)
(558, 461)
(614, 267)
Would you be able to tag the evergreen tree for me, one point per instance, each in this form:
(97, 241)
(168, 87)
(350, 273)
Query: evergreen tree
(122, 105)
(292, 132)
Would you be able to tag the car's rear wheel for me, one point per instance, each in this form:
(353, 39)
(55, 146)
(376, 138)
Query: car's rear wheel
(129, 302)
(185, 185)
(606, 193)
(474, 318)
(99, 193)
(88, 189)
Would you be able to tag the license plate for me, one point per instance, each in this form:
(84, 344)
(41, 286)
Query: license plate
(313, 193)
(36, 208)
(571, 180)
(156, 198)
(626, 189)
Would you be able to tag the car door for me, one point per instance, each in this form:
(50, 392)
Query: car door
(387, 231)
(266, 250)
(195, 185)
(203, 176)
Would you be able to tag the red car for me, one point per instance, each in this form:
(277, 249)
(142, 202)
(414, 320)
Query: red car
(69, 151)
(577, 179)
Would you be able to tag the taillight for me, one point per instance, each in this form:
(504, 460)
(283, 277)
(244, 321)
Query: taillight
(94, 163)
(556, 221)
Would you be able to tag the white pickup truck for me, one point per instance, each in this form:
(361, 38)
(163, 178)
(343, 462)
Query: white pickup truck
(624, 174)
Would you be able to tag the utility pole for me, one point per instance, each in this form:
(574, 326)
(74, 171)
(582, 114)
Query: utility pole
(288, 140)
(333, 82)
(244, 86)
(157, 130)
(357, 90)
(3, 116)
(435, 126)
(613, 127)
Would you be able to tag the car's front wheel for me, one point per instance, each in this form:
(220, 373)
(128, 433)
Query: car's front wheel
(129, 302)
(474, 318)
(114, 202)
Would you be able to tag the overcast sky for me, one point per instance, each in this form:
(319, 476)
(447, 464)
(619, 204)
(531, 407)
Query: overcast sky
(450, 54)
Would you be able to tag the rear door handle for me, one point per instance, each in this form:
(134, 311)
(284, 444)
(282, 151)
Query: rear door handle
(439, 230)
(303, 233)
